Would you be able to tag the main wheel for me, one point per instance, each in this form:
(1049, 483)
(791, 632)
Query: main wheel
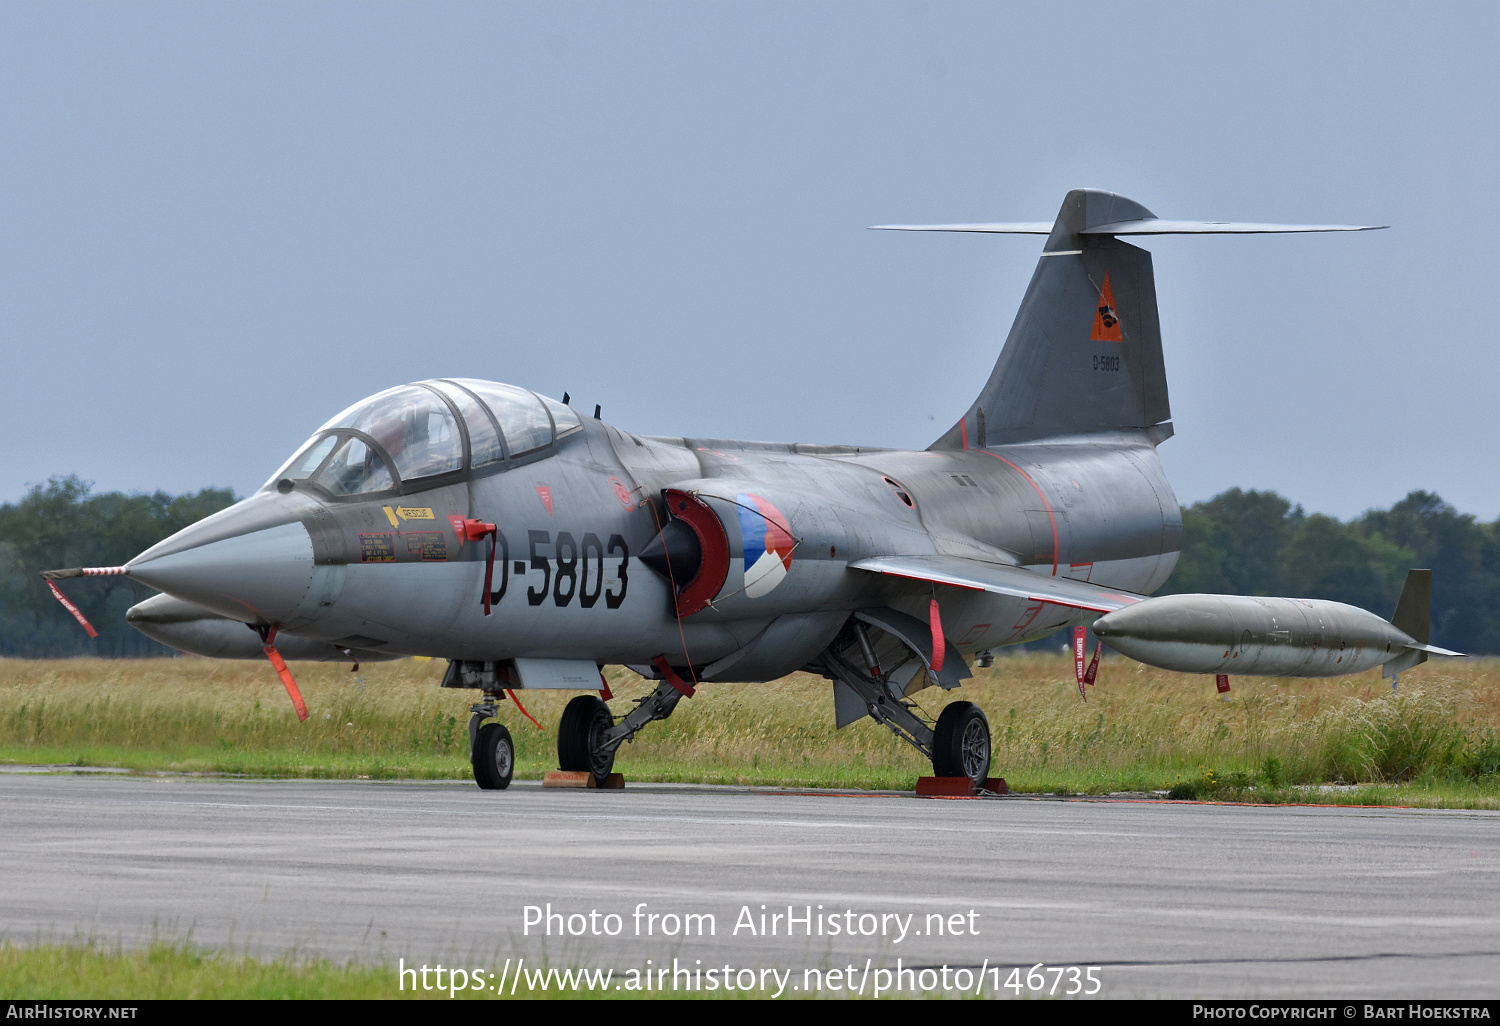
(584, 722)
(961, 743)
(494, 757)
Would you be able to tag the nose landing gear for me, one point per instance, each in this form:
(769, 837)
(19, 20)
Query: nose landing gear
(492, 753)
(493, 757)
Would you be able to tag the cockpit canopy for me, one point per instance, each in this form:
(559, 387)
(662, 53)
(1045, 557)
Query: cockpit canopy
(417, 436)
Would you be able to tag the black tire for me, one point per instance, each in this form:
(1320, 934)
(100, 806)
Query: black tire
(584, 721)
(961, 743)
(493, 758)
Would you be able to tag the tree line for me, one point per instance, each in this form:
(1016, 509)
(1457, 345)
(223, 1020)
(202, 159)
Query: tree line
(1239, 542)
(1259, 543)
(62, 524)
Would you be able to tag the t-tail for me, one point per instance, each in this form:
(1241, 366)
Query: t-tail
(1084, 354)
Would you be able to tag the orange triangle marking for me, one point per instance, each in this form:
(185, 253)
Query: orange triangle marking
(1106, 317)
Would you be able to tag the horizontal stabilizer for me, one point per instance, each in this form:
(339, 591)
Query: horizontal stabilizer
(1435, 650)
(1155, 226)
(1007, 228)
(1141, 226)
(1000, 579)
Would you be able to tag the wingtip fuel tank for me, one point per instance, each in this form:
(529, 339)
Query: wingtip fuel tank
(1253, 636)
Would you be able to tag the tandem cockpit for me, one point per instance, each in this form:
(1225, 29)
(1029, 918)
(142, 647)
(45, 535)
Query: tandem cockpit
(424, 435)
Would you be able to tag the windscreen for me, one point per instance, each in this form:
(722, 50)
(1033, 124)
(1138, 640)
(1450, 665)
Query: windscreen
(307, 459)
(354, 470)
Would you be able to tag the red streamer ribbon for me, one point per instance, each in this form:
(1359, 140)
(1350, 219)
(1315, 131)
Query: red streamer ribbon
(524, 713)
(1080, 649)
(70, 607)
(939, 645)
(474, 530)
(287, 681)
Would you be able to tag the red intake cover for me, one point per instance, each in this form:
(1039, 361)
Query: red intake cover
(714, 570)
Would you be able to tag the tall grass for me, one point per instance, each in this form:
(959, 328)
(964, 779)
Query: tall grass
(1140, 728)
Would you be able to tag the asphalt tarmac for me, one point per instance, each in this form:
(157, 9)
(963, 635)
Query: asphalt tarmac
(1167, 899)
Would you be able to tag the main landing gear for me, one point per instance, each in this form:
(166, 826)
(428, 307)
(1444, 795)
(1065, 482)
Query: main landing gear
(958, 743)
(588, 736)
(586, 721)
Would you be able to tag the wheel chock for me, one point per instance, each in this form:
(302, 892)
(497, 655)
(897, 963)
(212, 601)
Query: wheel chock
(583, 778)
(958, 787)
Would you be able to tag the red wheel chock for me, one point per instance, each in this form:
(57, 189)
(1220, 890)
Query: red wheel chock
(959, 787)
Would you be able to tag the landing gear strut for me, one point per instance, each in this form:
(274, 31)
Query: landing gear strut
(958, 743)
(588, 736)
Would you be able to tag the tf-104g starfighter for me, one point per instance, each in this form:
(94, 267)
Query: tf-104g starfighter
(528, 545)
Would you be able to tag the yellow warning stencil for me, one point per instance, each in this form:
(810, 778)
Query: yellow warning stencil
(1106, 318)
(414, 512)
(389, 515)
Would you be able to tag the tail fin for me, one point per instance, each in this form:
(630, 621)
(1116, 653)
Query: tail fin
(1414, 617)
(1084, 353)
(1414, 607)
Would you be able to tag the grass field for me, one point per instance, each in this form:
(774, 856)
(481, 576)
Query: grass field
(90, 970)
(1140, 730)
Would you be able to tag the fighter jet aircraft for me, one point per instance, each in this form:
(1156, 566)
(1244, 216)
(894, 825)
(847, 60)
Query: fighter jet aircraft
(529, 545)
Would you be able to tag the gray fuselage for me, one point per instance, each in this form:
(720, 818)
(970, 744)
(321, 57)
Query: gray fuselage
(389, 573)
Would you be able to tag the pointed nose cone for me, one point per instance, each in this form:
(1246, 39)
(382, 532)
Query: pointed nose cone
(252, 562)
(259, 577)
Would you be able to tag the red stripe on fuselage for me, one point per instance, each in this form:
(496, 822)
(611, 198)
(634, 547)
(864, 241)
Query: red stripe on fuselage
(1050, 515)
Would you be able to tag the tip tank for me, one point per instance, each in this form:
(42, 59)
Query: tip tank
(1253, 636)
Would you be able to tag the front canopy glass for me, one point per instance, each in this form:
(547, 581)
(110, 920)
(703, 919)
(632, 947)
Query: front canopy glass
(414, 427)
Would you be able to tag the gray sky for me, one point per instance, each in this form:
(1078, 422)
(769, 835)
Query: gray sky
(222, 223)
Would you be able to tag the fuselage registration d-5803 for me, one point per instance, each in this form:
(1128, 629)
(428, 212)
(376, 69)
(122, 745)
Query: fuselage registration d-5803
(529, 546)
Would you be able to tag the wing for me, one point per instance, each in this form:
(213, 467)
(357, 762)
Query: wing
(1000, 579)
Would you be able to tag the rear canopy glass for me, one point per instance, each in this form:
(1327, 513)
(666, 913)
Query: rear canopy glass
(523, 419)
(484, 434)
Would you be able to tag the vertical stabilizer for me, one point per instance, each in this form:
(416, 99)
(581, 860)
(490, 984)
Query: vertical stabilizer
(1414, 607)
(1413, 616)
(1084, 353)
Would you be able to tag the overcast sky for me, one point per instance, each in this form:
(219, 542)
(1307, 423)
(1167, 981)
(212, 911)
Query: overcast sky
(222, 223)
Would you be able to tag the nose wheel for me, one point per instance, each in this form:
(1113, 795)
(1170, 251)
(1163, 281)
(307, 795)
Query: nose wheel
(493, 757)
